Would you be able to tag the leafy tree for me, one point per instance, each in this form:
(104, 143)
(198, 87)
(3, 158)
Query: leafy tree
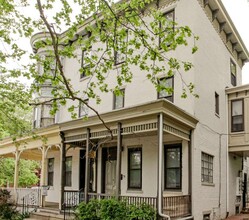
(15, 113)
(129, 30)
(27, 176)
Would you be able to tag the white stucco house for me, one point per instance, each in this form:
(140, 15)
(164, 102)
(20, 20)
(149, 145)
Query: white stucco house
(183, 156)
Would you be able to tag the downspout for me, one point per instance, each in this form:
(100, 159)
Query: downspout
(63, 156)
(87, 165)
(160, 172)
(118, 167)
(227, 157)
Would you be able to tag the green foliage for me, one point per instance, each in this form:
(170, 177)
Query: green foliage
(7, 209)
(122, 29)
(15, 113)
(27, 170)
(112, 209)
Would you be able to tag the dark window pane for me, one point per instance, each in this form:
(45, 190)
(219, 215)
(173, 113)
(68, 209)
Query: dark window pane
(233, 73)
(237, 114)
(50, 171)
(166, 85)
(119, 100)
(135, 168)
(173, 178)
(68, 170)
(206, 168)
(135, 177)
(173, 167)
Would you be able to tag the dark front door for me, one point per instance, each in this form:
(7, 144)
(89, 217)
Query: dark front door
(82, 169)
(109, 164)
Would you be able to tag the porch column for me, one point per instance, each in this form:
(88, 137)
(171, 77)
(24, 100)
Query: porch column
(43, 173)
(118, 167)
(62, 170)
(16, 174)
(87, 165)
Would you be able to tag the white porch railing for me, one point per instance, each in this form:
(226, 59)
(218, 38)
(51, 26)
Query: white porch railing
(18, 194)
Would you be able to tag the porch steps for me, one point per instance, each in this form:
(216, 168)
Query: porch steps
(48, 214)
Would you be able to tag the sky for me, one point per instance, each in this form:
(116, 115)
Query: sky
(239, 13)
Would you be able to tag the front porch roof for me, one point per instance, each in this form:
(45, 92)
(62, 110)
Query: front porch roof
(140, 118)
(30, 144)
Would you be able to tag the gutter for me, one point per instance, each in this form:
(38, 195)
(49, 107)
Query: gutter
(160, 174)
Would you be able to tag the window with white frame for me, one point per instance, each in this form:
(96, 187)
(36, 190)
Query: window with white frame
(50, 171)
(166, 85)
(237, 115)
(135, 168)
(206, 168)
(118, 100)
(68, 171)
(83, 108)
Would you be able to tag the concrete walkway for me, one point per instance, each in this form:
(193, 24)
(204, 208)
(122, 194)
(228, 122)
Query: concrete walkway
(239, 217)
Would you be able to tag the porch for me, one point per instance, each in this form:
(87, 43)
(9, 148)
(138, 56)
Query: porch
(174, 206)
(82, 161)
(126, 165)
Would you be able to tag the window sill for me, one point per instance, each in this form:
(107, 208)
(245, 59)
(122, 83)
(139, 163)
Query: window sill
(237, 132)
(207, 184)
(217, 115)
(139, 191)
(84, 78)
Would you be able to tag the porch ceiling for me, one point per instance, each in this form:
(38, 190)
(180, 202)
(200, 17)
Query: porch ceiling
(241, 150)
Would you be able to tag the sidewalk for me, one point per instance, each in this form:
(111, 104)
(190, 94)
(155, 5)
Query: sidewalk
(239, 217)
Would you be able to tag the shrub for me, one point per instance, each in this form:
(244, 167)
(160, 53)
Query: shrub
(7, 209)
(112, 209)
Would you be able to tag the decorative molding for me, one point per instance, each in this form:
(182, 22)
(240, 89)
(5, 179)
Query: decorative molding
(214, 14)
(175, 131)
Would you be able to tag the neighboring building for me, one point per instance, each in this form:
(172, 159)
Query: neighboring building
(197, 144)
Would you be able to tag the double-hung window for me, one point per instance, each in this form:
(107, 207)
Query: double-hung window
(237, 115)
(118, 101)
(121, 47)
(68, 170)
(206, 168)
(172, 168)
(50, 171)
(233, 73)
(217, 107)
(166, 28)
(85, 62)
(135, 168)
(166, 88)
(83, 109)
